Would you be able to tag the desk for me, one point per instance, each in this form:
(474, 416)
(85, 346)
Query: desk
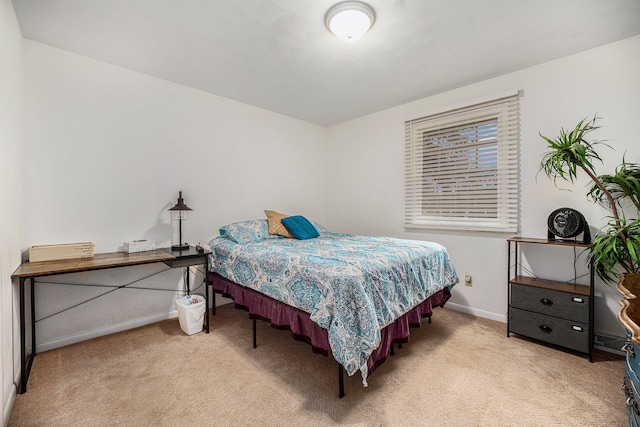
(186, 258)
(33, 270)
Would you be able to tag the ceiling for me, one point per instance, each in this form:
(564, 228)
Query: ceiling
(278, 54)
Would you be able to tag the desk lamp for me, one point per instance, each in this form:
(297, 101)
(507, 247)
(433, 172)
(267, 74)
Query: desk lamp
(179, 214)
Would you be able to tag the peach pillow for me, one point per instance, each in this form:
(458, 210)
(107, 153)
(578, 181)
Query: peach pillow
(275, 223)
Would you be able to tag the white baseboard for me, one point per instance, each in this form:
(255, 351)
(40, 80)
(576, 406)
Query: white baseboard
(84, 336)
(8, 405)
(220, 300)
(73, 339)
(475, 312)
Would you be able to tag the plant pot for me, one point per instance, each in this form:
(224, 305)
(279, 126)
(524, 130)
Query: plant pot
(629, 286)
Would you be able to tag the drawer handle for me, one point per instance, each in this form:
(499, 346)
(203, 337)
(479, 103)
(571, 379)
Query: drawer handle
(628, 348)
(577, 328)
(578, 300)
(629, 395)
(546, 328)
(546, 301)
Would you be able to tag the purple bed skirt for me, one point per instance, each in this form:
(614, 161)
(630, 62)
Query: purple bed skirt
(283, 316)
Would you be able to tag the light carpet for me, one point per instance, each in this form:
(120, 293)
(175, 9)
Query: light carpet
(458, 371)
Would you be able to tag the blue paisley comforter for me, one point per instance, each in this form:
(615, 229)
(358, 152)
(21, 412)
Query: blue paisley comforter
(353, 286)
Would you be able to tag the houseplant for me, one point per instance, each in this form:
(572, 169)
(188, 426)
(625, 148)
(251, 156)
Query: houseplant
(616, 248)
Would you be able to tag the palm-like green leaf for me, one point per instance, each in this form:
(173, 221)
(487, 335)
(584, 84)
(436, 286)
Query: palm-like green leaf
(608, 251)
(570, 151)
(624, 184)
(617, 245)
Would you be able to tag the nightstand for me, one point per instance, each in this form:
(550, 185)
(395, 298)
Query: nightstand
(555, 312)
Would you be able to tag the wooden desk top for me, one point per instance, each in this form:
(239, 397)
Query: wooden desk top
(97, 262)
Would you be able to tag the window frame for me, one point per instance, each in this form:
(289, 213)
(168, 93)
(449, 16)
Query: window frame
(504, 109)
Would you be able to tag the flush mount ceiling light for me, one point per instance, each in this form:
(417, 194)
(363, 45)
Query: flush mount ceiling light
(349, 20)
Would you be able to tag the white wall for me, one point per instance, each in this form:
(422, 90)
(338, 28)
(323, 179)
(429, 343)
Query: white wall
(107, 151)
(10, 195)
(365, 168)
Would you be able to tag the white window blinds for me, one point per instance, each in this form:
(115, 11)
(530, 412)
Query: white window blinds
(461, 167)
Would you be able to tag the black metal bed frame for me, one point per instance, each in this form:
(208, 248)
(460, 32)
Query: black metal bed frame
(340, 367)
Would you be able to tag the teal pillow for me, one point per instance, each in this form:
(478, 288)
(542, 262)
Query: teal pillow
(300, 227)
(247, 231)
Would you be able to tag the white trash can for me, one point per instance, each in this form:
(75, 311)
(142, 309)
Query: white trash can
(191, 309)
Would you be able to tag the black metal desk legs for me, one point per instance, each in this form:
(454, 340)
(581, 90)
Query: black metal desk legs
(25, 368)
(25, 365)
(206, 294)
(206, 286)
(213, 297)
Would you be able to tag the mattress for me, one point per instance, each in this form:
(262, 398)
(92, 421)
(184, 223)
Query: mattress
(352, 286)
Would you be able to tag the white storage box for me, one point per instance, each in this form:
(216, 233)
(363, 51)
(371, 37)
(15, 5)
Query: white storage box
(191, 309)
(139, 246)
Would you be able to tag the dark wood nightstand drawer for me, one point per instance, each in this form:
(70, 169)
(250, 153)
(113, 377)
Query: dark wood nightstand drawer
(552, 303)
(185, 262)
(562, 332)
(186, 257)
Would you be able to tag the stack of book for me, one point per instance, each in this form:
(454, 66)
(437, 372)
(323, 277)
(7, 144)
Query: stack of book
(63, 251)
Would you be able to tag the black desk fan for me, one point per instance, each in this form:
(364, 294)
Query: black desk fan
(565, 223)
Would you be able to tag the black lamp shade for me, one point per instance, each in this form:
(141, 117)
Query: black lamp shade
(180, 206)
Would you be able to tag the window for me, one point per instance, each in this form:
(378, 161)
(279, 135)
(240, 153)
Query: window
(461, 167)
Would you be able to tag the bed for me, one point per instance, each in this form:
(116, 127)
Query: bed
(347, 295)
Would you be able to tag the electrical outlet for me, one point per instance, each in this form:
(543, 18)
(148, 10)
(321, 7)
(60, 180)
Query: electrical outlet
(468, 280)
